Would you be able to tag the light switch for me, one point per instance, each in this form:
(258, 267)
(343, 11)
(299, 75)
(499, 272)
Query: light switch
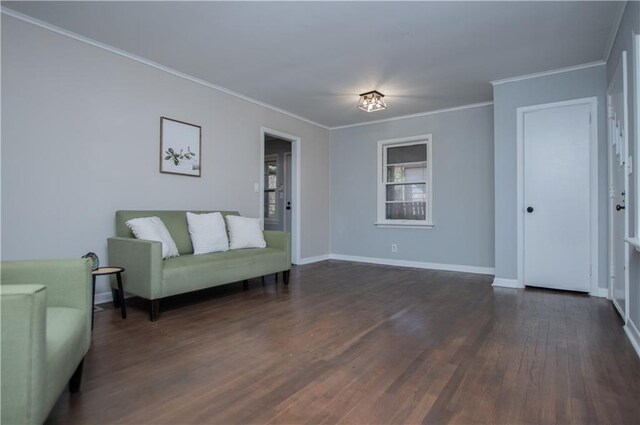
(256, 187)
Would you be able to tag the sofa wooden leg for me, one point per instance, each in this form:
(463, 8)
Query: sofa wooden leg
(245, 285)
(76, 378)
(285, 276)
(154, 310)
(116, 297)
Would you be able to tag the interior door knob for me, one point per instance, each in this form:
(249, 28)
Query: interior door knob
(529, 209)
(619, 207)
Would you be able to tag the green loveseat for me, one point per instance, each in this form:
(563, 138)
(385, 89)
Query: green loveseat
(148, 276)
(46, 332)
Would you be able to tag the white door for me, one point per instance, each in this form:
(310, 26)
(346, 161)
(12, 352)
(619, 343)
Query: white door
(287, 192)
(618, 187)
(618, 245)
(557, 216)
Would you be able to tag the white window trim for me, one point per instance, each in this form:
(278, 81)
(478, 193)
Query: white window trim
(635, 241)
(269, 158)
(381, 220)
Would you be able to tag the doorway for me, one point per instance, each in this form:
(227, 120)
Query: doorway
(557, 195)
(279, 185)
(618, 152)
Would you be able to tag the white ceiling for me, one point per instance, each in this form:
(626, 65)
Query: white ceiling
(314, 58)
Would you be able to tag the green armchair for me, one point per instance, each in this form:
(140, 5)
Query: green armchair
(45, 309)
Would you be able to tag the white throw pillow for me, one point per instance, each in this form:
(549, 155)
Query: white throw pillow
(153, 229)
(208, 233)
(245, 232)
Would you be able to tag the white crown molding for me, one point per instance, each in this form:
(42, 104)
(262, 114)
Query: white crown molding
(420, 114)
(506, 283)
(415, 264)
(614, 30)
(123, 53)
(633, 334)
(546, 73)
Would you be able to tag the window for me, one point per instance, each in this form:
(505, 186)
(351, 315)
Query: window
(271, 188)
(404, 181)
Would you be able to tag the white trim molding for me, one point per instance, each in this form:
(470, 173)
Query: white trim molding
(420, 114)
(506, 283)
(296, 184)
(386, 225)
(415, 264)
(103, 298)
(593, 184)
(600, 292)
(633, 334)
(311, 260)
(634, 242)
(636, 160)
(614, 30)
(383, 145)
(550, 72)
(123, 53)
(620, 71)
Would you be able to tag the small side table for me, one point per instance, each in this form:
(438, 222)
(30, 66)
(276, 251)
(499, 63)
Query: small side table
(106, 271)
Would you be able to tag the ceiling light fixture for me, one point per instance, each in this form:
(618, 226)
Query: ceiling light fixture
(372, 101)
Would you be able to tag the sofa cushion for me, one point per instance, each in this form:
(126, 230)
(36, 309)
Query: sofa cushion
(153, 229)
(208, 233)
(65, 348)
(245, 232)
(192, 272)
(175, 221)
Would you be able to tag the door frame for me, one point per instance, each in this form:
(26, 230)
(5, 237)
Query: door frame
(610, 200)
(287, 175)
(296, 210)
(593, 184)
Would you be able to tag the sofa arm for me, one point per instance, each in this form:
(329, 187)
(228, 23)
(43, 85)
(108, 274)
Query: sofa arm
(281, 240)
(23, 352)
(142, 261)
(68, 282)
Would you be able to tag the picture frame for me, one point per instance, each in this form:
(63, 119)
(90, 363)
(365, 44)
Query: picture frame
(180, 147)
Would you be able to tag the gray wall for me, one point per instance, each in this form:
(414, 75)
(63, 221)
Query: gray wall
(624, 41)
(278, 147)
(534, 91)
(80, 140)
(462, 190)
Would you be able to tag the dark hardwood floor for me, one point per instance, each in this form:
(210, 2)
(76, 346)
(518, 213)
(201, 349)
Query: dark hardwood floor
(360, 344)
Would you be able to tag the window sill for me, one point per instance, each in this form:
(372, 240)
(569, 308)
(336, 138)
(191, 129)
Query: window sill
(404, 225)
(634, 242)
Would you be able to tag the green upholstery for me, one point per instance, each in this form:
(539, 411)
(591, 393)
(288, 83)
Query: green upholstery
(46, 332)
(195, 272)
(148, 276)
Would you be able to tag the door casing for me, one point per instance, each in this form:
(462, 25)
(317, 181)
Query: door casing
(622, 68)
(296, 210)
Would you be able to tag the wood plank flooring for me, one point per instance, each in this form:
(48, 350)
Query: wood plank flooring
(354, 343)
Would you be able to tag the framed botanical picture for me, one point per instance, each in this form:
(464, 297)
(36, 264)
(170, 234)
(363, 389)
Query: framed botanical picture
(180, 144)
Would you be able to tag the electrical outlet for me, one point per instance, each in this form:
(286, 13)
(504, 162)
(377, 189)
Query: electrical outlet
(394, 247)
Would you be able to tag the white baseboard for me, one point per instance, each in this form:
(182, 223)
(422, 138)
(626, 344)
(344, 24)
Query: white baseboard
(106, 297)
(311, 260)
(103, 297)
(415, 264)
(600, 292)
(634, 335)
(506, 283)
